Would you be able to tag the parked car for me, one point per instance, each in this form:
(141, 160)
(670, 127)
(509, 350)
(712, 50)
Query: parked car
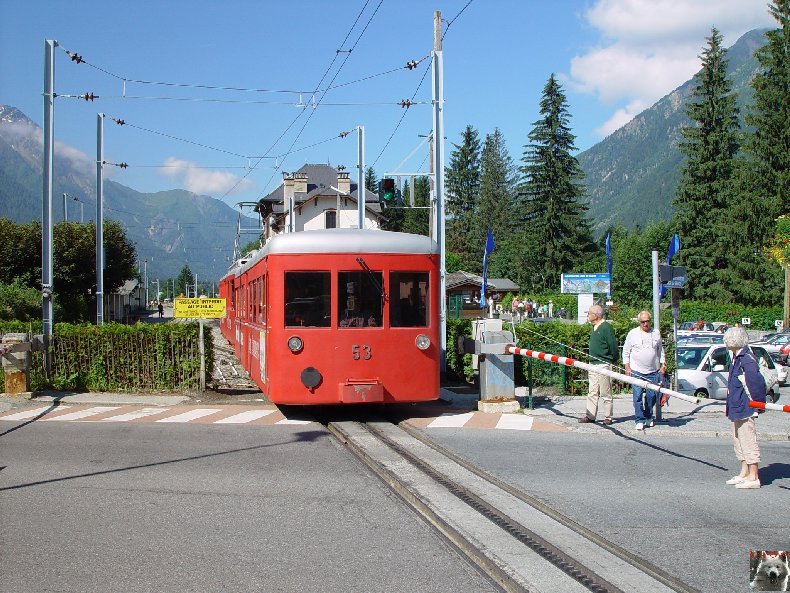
(784, 354)
(700, 339)
(775, 343)
(702, 370)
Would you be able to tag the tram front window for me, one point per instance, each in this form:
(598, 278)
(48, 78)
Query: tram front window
(359, 298)
(409, 299)
(307, 299)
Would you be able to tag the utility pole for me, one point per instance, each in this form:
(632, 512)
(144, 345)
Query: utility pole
(65, 208)
(361, 194)
(47, 317)
(656, 291)
(145, 280)
(100, 220)
(437, 66)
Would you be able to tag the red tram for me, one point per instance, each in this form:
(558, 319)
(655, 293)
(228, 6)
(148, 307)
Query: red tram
(338, 316)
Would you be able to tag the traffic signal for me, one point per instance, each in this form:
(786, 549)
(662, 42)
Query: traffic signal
(387, 191)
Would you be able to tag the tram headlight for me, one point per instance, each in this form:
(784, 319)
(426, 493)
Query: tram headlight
(295, 344)
(422, 341)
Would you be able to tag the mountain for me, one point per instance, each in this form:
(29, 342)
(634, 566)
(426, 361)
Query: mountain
(632, 174)
(169, 228)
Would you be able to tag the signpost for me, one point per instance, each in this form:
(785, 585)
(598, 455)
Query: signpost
(200, 309)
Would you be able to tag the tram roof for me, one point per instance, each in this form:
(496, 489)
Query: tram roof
(344, 241)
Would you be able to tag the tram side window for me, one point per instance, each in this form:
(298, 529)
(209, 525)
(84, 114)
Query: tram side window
(409, 299)
(359, 298)
(307, 299)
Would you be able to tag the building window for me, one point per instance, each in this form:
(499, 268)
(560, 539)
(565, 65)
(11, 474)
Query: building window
(330, 219)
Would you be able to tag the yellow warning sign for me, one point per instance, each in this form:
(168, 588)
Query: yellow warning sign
(199, 308)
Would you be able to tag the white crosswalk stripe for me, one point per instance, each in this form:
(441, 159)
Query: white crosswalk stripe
(244, 417)
(515, 422)
(134, 415)
(293, 421)
(79, 414)
(28, 414)
(191, 415)
(451, 420)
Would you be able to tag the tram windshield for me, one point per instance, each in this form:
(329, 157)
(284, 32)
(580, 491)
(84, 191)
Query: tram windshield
(409, 299)
(307, 299)
(359, 298)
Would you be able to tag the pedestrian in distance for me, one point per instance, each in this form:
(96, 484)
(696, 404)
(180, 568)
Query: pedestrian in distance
(603, 353)
(643, 357)
(744, 383)
(161, 309)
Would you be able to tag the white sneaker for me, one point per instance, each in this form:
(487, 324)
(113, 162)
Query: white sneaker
(748, 484)
(735, 480)
(640, 426)
(650, 423)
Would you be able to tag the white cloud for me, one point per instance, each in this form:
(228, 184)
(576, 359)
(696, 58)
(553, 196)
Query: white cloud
(621, 117)
(203, 181)
(648, 48)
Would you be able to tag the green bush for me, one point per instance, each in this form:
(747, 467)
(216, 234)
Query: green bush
(114, 357)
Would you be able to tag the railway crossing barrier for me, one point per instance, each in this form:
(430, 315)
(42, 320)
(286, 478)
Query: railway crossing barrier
(496, 369)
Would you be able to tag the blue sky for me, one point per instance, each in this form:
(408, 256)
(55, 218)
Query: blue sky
(613, 57)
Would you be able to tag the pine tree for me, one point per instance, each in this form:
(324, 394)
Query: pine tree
(551, 193)
(768, 143)
(371, 181)
(701, 202)
(496, 202)
(462, 186)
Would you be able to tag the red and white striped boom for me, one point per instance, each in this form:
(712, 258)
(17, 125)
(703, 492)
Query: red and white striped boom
(572, 362)
(765, 406)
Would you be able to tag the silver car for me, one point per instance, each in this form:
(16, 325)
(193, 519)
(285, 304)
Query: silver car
(702, 370)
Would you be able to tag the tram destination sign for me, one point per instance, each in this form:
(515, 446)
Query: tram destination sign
(198, 308)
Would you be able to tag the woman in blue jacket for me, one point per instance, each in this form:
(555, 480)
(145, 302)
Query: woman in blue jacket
(745, 383)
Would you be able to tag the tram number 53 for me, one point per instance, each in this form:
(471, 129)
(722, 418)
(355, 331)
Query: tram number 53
(362, 352)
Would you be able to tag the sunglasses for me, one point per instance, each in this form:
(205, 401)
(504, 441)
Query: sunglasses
(644, 321)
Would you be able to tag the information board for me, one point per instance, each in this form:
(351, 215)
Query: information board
(199, 308)
(585, 283)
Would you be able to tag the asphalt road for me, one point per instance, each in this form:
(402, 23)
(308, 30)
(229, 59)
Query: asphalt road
(662, 498)
(183, 508)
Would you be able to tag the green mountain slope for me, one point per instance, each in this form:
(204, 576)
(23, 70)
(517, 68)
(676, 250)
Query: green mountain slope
(632, 174)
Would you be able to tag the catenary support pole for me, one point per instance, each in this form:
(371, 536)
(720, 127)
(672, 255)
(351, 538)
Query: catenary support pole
(437, 66)
(361, 194)
(47, 317)
(99, 219)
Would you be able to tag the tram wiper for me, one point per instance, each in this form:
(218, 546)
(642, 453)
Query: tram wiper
(363, 264)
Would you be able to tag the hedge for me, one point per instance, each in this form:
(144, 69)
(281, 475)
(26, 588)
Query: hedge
(114, 357)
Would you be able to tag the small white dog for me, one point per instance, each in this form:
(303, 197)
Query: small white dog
(769, 571)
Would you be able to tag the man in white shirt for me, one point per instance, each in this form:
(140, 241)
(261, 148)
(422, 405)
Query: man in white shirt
(643, 357)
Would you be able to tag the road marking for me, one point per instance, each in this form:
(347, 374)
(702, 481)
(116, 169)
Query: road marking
(27, 414)
(191, 415)
(244, 417)
(134, 415)
(515, 422)
(81, 413)
(293, 421)
(451, 420)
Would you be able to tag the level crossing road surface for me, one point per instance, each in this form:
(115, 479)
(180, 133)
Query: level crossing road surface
(663, 499)
(116, 507)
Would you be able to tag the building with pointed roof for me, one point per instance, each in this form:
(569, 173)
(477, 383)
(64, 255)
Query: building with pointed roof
(322, 197)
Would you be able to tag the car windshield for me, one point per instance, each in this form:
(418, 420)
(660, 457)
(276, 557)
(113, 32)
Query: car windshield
(689, 358)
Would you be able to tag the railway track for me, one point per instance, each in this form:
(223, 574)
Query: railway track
(519, 542)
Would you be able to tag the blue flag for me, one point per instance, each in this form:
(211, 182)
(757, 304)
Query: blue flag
(486, 254)
(609, 262)
(674, 247)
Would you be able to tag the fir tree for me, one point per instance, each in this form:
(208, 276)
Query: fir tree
(701, 202)
(496, 202)
(462, 186)
(551, 193)
(371, 181)
(768, 142)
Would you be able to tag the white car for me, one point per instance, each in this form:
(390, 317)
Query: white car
(702, 370)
